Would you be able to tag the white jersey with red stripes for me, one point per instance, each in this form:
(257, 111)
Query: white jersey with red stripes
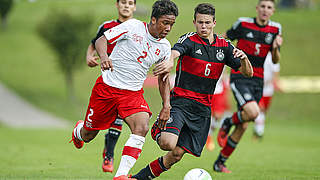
(269, 70)
(135, 52)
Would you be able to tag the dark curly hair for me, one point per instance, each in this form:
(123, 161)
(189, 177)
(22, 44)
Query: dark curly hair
(205, 8)
(164, 7)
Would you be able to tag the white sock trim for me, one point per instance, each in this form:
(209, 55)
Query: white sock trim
(77, 131)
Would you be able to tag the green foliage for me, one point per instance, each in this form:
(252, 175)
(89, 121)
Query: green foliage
(5, 7)
(67, 34)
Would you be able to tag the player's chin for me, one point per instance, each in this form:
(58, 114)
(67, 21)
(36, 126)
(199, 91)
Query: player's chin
(163, 35)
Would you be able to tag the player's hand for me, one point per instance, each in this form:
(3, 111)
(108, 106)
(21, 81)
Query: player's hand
(106, 63)
(164, 116)
(277, 42)
(92, 61)
(163, 67)
(237, 53)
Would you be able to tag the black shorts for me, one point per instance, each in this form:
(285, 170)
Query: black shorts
(190, 121)
(245, 91)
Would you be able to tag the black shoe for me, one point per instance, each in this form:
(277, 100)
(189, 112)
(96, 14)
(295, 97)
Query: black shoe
(220, 167)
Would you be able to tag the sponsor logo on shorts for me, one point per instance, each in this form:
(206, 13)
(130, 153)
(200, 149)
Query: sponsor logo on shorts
(170, 120)
(143, 106)
(247, 96)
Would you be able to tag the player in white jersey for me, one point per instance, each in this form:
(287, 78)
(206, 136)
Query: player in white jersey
(271, 73)
(119, 90)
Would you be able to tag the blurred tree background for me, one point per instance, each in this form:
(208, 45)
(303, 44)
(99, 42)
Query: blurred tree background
(67, 35)
(5, 7)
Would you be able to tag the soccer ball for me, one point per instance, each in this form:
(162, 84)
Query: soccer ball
(197, 174)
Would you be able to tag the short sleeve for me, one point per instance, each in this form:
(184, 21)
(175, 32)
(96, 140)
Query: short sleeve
(100, 32)
(234, 32)
(232, 62)
(183, 44)
(119, 32)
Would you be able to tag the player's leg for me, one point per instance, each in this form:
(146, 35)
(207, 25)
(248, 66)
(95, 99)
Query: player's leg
(248, 110)
(264, 105)
(99, 111)
(160, 165)
(111, 138)
(138, 124)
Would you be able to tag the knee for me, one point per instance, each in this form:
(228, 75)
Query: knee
(166, 145)
(141, 130)
(253, 115)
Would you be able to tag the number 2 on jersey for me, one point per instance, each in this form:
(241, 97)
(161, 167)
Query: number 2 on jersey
(144, 56)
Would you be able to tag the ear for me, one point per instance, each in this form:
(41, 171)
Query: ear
(117, 5)
(194, 22)
(153, 20)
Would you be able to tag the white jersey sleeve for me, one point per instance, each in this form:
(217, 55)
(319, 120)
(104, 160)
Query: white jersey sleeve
(119, 32)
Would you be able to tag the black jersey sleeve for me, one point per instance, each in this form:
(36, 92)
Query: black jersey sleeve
(100, 32)
(234, 32)
(183, 44)
(232, 62)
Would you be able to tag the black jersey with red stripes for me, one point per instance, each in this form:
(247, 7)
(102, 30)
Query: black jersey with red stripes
(105, 27)
(200, 65)
(256, 41)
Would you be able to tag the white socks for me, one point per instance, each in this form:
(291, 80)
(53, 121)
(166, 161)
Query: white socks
(76, 131)
(130, 154)
(259, 124)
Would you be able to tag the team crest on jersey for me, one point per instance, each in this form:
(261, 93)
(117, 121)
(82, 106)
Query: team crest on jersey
(220, 55)
(269, 38)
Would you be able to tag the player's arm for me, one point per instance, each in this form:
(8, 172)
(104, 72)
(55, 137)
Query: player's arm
(276, 49)
(164, 88)
(245, 68)
(101, 48)
(91, 57)
(166, 66)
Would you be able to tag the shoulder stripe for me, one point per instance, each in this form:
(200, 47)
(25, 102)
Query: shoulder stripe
(276, 24)
(184, 37)
(242, 19)
(105, 22)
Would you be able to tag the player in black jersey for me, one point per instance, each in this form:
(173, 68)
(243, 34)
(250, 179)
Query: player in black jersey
(202, 56)
(126, 9)
(256, 37)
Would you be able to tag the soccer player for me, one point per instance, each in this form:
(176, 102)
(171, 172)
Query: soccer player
(271, 75)
(125, 12)
(256, 37)
(202, 56)
(118, 92)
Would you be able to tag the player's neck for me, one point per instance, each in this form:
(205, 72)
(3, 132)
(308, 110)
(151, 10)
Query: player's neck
(151, 31)
(123, 19)
(262, 22)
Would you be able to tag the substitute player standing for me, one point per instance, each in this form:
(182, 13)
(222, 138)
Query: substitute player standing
(125, 12)
(202, 57)
(256, 37)
(119, 90)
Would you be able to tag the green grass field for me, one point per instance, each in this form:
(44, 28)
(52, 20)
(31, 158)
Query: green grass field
(289, 150)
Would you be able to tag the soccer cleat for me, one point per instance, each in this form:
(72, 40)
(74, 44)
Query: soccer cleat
(107, 165)
(222, 137)
(220, 167)
(77, 143)
(210, 143)
(124, 177)
(155, 131)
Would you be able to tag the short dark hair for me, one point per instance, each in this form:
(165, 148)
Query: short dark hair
(135, 2)
(205, 8)
(164, 7)
(267, 0)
